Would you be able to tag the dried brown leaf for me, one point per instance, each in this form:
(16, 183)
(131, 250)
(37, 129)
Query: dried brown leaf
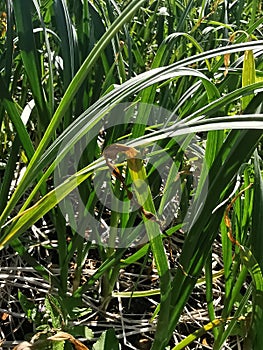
(25, 345)
(62, 336)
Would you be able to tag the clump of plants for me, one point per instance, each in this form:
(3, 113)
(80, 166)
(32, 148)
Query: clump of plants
(131, 173)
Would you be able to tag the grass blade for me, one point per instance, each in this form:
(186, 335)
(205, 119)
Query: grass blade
(22, 11)
(257, 222)
(248, 75)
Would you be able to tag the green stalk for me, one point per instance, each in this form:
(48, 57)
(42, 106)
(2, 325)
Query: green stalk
(143, 194)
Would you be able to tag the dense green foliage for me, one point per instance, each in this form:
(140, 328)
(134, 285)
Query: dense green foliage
(66, 67)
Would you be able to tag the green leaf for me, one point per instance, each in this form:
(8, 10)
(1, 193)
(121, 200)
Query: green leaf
(31, 61)
(14, 113)
(257, 220)
(27, 305)
(248, 75)
(81, 331)
(204, 227)
(255, 336)
(26, 219)
(107, 341)
(58, 345)
(71, 91)
(53, 306)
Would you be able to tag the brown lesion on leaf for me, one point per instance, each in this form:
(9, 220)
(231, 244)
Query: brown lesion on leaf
(110, 154)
